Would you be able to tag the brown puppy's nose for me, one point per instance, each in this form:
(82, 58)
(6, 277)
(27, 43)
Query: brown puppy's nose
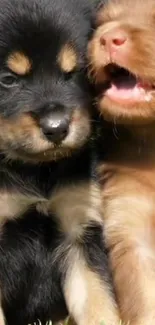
(113, 39)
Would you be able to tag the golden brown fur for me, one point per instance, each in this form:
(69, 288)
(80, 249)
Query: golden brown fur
(137, 20)
(128, 172)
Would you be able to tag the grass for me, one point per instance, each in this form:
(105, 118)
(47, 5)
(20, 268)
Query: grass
(38, 322)
(66, 323)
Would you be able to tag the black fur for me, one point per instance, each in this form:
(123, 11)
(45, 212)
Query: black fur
(39, 29)
(30, 281)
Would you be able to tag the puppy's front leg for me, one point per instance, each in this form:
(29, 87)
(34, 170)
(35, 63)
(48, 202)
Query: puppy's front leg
(86, 282)
(130, 236)
(2, 318)
(88, 294)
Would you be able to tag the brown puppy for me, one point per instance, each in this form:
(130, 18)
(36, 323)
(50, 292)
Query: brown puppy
(122, 63)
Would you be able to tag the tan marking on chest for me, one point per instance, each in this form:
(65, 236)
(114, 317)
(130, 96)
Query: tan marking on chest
(75, 206)
(13, 205)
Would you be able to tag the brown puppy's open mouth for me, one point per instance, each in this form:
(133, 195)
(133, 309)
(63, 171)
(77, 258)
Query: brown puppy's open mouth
(122, 85)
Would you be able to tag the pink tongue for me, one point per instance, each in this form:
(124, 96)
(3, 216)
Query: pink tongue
(120, 93)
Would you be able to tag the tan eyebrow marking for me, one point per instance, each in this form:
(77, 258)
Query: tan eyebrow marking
(67, 58)
(19, 63)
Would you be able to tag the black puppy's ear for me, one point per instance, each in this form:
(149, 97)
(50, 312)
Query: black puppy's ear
(97, 5)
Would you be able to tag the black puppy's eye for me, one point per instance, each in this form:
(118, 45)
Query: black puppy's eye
(8, 80)
(69, 75)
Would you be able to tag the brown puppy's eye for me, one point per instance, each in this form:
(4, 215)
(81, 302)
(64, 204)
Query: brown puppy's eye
(8, 80)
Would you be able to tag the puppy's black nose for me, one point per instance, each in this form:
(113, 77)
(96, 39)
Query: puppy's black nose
(55, 127)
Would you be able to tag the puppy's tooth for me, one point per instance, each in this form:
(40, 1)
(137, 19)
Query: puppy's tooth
(142, 91)
(148, 97)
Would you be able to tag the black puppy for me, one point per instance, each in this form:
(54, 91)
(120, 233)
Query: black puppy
(52, 259)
